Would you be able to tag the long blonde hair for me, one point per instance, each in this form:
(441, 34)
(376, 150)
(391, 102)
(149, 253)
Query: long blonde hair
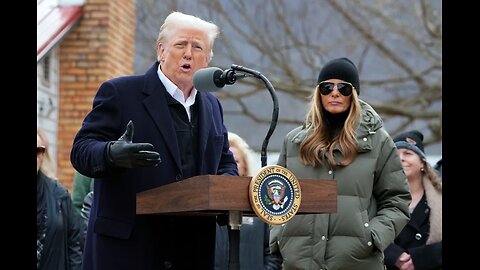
(432, 175)
(47, 167)
(317, 148)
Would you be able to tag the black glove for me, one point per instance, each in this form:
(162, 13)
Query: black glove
(124, 153)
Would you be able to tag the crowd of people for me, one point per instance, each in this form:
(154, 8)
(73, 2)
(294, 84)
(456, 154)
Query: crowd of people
(146, 131)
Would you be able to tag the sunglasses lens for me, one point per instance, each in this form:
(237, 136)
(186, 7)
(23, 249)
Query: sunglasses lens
(40, 150)
(344, 89)
(326, 88)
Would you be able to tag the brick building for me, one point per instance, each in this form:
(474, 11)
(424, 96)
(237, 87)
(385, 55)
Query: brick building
(80, 44)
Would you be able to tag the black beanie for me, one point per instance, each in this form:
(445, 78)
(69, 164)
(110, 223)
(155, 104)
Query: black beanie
(412, 140)
(342, 69)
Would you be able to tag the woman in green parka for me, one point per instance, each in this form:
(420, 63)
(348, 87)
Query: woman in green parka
(343, 140)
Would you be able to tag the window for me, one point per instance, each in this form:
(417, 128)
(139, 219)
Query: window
(46, 65)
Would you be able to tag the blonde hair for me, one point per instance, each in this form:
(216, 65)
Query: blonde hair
(432, 175)
(239, 143)
(317, 148)
(178, 20)
(47, 167)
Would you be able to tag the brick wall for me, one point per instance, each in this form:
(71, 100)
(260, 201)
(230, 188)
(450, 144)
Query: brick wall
(99, 48)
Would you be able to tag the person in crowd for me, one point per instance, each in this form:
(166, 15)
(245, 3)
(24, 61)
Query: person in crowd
(85, 211)
(172, 133)
(58, 223)
(82, 185)
(419, 245)
(254, 233)
(342, 139)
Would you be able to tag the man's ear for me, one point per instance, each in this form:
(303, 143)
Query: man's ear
(160, 52)
(208, 57)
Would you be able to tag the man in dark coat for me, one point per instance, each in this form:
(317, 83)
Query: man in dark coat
(147, 131)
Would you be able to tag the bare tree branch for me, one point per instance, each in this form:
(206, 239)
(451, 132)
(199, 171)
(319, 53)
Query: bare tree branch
(397, 46)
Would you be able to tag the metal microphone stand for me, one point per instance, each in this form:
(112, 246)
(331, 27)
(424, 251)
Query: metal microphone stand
(235, 217)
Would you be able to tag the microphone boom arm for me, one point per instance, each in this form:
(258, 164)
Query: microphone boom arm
(274, 120)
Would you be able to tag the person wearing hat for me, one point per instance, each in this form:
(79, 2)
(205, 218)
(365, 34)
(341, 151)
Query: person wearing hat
(343, 139)
(419, 245)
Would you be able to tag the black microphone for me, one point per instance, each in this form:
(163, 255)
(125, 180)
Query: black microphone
(212, 79)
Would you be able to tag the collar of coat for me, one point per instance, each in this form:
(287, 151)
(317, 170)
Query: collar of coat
(434, 200)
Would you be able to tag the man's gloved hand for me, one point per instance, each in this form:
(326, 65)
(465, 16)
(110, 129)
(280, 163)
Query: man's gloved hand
(124, 153)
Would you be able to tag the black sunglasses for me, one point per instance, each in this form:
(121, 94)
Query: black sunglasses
(344, 88)
(40, 150)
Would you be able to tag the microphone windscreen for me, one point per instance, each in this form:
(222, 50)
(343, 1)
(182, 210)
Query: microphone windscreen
(205, 79)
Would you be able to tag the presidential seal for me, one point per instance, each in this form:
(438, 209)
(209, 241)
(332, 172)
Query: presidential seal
(275, 194)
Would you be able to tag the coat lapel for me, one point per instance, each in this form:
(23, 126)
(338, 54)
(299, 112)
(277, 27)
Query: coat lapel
(157, 107)
(205, 122)
(420, 214)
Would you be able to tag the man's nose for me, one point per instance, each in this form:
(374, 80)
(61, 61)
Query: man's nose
(188, 52)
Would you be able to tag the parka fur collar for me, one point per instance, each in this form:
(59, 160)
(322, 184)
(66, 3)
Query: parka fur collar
(434, 200)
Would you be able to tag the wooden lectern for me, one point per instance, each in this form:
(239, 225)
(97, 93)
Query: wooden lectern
(218, 194)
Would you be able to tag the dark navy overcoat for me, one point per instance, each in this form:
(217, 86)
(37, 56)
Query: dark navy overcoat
(117, 238)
